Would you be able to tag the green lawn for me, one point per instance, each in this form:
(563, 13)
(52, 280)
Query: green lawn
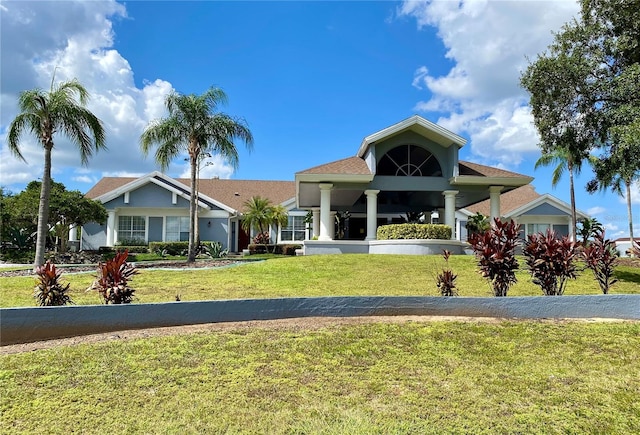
(419, 378)
(320, 275)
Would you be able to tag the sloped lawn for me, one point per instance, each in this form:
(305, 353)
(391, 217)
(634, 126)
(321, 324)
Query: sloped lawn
(423, 378)
(321, 275)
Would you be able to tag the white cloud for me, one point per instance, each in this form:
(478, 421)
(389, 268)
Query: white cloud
(635, 193)
(596, 210)
(212, 167)
(489, 43)
(75, 39)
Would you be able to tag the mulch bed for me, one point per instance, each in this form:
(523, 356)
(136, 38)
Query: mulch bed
(77, 268)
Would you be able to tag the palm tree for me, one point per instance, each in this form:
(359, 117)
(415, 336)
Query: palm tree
(43, 114)
(571, 161)
(196, 126)
(279, 216)
(257, 215)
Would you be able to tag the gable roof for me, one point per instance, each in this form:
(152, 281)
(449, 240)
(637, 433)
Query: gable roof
(228, 194)
(351, 165)
(478, 170)
(517, 201)
(418, 124)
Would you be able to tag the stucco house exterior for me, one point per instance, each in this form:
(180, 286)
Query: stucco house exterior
(411, 166)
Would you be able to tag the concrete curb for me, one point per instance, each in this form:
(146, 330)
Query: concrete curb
(23, 325)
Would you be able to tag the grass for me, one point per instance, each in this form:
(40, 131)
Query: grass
(321, 275)
(439, 377)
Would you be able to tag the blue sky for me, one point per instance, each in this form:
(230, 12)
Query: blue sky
(310, 78)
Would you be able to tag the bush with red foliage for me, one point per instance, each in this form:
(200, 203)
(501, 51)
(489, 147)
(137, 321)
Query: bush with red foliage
(446, 280)
(551, 261)
(495, 250)
(601, 257)
(113, 279)
(49, 290)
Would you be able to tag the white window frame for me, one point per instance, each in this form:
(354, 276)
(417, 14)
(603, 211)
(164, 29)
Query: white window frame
(181, 220)
(122, 234)
(291, 227)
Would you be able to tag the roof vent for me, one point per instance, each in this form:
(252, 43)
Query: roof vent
(236, 194)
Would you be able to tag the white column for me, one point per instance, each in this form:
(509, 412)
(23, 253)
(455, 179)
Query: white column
(73, 233)
(326, 223)
(372, 213)
(450, 210)
(111, 227)
(316, 223)
(494, 202)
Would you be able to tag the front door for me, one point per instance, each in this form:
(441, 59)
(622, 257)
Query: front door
(243, 238)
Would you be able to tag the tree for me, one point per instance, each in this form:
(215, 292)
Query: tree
(571, 161)
(195, 125)
(62, 109)
(589, 228)
(257, 215)
(66, 208)
(585, 90)
(279, 217)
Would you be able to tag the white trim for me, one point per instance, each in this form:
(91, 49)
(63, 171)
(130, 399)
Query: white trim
(333, 178)
(406, 124)
(473, 180)
(126, 197)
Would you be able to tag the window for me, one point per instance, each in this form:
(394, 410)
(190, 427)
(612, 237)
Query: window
(294, 231)
(537, 228)
(131, 228)
(409, 161)
(177, 229)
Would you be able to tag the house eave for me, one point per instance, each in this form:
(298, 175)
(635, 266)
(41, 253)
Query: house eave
(473, 180)
(333, 178)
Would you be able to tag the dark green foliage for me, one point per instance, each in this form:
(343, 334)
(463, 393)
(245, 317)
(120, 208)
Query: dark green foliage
(551, 261)
(446, 280)
(169, 248)
(495, 252)
(49, 289)
(477, 223)
(601, 257)
(112, 281)
(414, 231)
(131, 242)
(588, 229)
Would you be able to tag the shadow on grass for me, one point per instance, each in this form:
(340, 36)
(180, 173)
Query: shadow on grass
(628, 274)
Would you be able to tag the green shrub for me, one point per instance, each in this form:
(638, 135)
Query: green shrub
(131, 242)
(49, 289)
(213, 250)
(169, 248)
(414, 231)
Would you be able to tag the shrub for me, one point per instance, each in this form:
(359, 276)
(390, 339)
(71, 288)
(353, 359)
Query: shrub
(261, 238)
(601, 256)
(214, 250)
(112, 281)
(413, 231)
(446, 280)
(131, 242)
(169, 248)
(477, 223)
(288, 249)
(49, 289)
(634, 250)
(551, 261)
(495, 252)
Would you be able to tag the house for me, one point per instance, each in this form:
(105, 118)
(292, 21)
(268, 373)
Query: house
(409, 167)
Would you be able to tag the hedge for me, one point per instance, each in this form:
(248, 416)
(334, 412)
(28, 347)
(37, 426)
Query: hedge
(414, 231)
(172, 248)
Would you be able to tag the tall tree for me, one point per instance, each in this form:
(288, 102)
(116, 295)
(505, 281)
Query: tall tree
(571, 161)
(279, 216)
(589, 80)
(195, 125)
(43, 114)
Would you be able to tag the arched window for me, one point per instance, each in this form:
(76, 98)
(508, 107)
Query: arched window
(409, 161)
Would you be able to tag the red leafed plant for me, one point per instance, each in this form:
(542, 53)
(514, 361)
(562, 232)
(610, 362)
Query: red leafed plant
(113, 279)
(634, 251)
(446, 280)
(495, 250)
(551, 261)
(49, 290)
(601, 257)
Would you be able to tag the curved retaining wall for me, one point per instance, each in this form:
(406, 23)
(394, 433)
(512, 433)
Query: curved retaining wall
(416, 246)
(22, 325)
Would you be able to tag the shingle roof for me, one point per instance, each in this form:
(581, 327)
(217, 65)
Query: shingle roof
(232, 193)
(475, 169)
(509, 201)
(351, 165)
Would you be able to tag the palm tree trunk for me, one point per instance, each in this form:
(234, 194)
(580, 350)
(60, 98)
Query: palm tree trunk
(192, 210)
(629, 215)
(43, 208)
(573, 202)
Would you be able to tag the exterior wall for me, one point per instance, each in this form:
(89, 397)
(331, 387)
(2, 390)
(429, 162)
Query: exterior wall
(93, 236)
(560, 224)
(412, 138)
(155, 231)
(150, 195)
(216, 232)
(416, 247)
